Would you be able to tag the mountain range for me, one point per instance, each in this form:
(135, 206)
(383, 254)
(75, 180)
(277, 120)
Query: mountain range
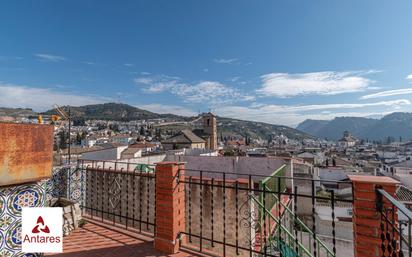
(17, 112)
(112, 111)
(124, 112)
(397, 125)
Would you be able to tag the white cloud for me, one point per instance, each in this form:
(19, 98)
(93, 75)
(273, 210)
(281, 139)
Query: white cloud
(315, 83)
(344, 106)
(173, 109)
(89, 63)
(293, 114)
(50, 58)
(226, 61)
(145, 81)
(42, 98)
(128, 64)
(402, 91)
(210, 92)
(373, 88)
(409, 77)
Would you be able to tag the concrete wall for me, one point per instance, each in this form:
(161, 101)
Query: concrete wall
(106, 154)
(131, 155)
(197, 152)
(341, 210)
(403, 170)
(302, 168)
(152, 159)
(242, 166)
(343, 229)
(343, 247)
(344, 235)
(405, 179)
(304, 187)
(169, 146)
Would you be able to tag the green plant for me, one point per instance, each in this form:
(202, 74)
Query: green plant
(82, 222)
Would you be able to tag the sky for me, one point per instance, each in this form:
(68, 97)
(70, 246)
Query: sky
(279, 62)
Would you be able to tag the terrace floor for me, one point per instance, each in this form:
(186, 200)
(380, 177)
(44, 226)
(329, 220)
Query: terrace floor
(96, 239)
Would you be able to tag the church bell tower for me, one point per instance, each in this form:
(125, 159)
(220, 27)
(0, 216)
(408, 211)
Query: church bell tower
(210, 128)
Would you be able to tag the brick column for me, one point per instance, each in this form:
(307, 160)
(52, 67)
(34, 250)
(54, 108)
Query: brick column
(366, 219)
(170, 206)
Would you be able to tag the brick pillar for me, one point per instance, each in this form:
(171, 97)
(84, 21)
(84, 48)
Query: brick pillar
(170, 206)
(366, 219)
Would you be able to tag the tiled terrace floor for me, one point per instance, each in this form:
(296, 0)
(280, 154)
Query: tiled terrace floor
(96, 239)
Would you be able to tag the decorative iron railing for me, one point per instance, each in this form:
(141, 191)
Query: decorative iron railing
(227, 214)
(117, 192)
(395, 226)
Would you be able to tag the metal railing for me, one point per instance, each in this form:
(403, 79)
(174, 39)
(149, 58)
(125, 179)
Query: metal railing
(117, 192)
(274, 183)
(395, 226)
(288, 220)
(227, 214)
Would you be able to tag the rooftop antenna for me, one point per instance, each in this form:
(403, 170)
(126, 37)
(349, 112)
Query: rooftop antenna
(66, 116)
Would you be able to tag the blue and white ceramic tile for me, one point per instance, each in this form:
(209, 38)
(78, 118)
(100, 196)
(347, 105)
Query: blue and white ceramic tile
(65, 182)
(12, 200)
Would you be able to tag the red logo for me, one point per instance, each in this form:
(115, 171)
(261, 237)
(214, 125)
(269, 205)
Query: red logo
(43, 228)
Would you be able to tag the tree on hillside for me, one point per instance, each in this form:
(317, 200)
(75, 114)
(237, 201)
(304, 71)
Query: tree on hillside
(142, 131)
(114, 127)
(79, 121)
(63, 136)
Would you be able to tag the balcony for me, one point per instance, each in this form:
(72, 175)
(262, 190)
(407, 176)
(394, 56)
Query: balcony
(97, 238)
(223, 213)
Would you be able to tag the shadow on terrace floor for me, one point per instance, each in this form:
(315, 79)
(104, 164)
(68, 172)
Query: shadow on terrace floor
(96, 239)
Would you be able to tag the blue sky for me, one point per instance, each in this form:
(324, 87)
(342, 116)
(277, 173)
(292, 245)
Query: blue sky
(274, 61)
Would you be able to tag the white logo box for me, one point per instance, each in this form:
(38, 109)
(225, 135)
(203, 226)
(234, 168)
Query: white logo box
(45, 240)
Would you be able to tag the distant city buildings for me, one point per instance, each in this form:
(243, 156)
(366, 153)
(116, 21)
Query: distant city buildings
(347, 140)
(201, 146)
(150, 141)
